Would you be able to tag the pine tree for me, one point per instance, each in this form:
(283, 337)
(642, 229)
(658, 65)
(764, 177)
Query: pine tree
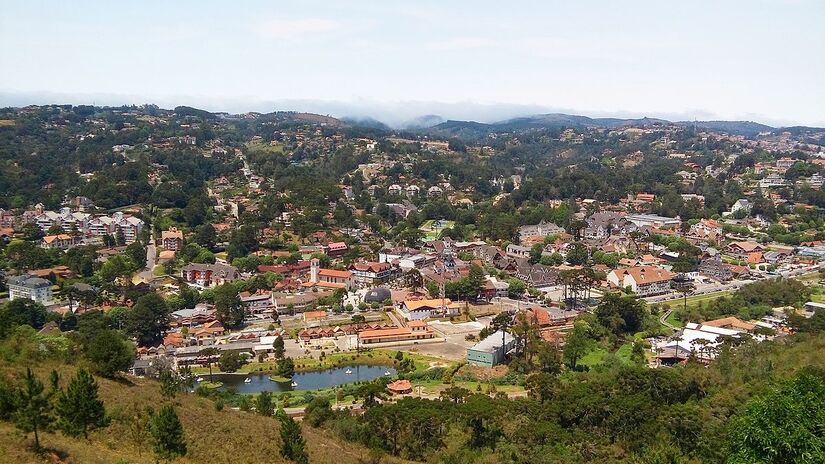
(33, 408)
(278, 347)
(293, 446)
(167, 433)
(263, 404)
(79, 409)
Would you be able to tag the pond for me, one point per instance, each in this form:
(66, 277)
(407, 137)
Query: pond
(305, 380)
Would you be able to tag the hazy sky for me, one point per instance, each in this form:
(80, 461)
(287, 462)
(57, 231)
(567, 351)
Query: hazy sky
(751, 59)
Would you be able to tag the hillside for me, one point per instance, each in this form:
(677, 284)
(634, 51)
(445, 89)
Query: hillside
(212, 436)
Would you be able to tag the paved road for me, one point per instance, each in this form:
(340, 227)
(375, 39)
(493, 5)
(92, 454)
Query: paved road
(151, 256)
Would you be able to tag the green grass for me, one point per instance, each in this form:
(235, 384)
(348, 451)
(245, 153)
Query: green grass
(278, 378)
(671, 319)
(597, 355)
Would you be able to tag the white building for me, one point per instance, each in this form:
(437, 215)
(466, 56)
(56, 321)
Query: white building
(34, 288)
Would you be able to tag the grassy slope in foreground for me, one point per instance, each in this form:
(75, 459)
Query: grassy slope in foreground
(226, 436)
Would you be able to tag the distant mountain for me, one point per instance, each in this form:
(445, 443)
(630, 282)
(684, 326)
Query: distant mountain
(365, 122)
(423, 122)
(746, 128)
(475, 130)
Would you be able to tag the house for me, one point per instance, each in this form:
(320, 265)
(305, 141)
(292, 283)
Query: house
(714, 268)
(172, 239)
(34, 288)
(415, 331)
(706, 229)
(491, 350)
(371, 273)
(59, 241)
(413, 191)
(258, 302)
(542, 229)
(291, 303)
(745, 248)
(741, 205)
(208, 275)
(435, 191)
(208, 333)
(414, 310)
(518, 251)
(602, 224)
(335, 249)
(394, 189)
(732, 323)
(642, 280)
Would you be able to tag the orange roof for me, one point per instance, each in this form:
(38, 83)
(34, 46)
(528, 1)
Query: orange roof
(645, 274)
(400, 386)
(412, 305)
(315, 314)
(379, 333)
(51, 238)
(417, 324)
(733, 322)
(755, 257)
(334, 273)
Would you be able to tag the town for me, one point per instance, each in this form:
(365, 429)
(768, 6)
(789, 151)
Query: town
(314, 260)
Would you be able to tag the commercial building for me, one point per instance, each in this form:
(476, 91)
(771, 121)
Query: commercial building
(491, 351)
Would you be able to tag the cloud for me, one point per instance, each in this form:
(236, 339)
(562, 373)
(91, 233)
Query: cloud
(297, 28)
(462, 43)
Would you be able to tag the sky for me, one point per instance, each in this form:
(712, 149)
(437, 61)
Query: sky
(480, 60)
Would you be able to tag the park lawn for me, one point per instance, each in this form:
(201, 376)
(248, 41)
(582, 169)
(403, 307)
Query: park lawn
(596, 356)
(697, 299)
(671, 319)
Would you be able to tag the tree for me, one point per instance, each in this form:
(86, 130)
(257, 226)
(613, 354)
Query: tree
(263, 404)
(79, 410)
(293, 446)
(167, 433)
(278, 347)
(33, 413)
(23, 311)
(577, 344)
(109, 353)
(170, 383)
(541, 386)
(206, 236)
(577, 255)
(783, 426)
(228, 307)
(137, 252)
(148, 319)
(230, 361)
(285, 367)
(621, 313)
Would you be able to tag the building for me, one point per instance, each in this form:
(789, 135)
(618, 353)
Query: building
(329, 278)
(371, 273)
(491, 351)
(400, 387)
(335, 249)
(542, 229)
(130, 226)
(59, 241)
(172, 239)
(417, 330)
(208, 275)
(642, 280)
(714, 268)
(414, 310)
(34, 288)
(653, 220)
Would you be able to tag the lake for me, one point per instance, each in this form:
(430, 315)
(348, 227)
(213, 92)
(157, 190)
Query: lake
(306, 380)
